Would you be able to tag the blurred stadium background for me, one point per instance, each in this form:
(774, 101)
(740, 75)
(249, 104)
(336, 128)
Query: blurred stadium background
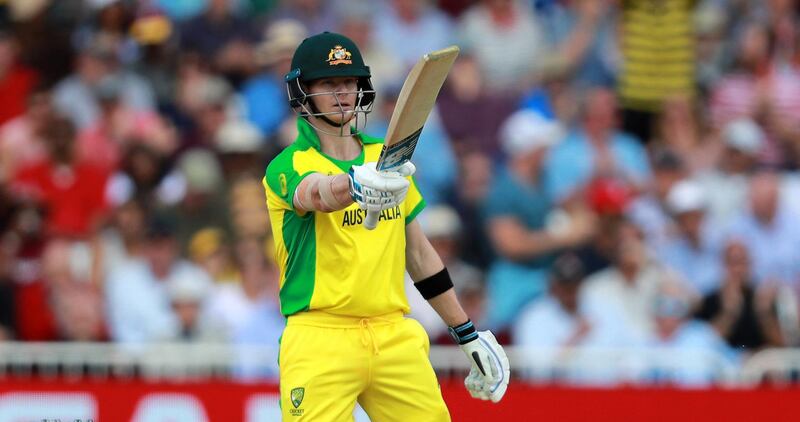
(613, 184)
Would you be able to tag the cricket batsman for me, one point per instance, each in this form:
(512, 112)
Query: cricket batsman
(341, 288)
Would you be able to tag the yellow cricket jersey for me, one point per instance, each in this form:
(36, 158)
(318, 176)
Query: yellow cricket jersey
(329, 261)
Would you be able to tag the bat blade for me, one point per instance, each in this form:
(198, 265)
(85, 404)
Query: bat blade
(414, 104)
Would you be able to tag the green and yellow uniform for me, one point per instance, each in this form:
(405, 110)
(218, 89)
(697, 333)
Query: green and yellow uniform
(342, 291)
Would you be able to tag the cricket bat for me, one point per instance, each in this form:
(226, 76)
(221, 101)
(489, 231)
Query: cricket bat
(414, 104)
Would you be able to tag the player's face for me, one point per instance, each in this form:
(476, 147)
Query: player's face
(340, 101)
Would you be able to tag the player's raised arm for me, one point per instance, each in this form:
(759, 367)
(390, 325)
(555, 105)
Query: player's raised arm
(489, 376)
(318, 192)
(370, 189)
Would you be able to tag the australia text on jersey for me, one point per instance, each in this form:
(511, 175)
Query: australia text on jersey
(356, 216)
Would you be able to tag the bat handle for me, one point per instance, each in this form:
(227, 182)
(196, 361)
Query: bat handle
(372, 220)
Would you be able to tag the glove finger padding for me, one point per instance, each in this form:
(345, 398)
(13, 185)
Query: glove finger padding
(407, 169)
(475, 385)
(392, 182)
(489, 376)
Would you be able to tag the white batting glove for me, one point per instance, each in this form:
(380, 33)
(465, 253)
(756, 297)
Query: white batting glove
(376, 191)
(407, 169)
(488, 378)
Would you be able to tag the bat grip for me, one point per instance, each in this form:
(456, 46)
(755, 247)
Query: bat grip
(372, 219)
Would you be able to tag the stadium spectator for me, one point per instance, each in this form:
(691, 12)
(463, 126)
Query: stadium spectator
(207, 102)
(595, 149)
(711, 22)
(783, 84)
(649, 210)
(692, 250)
(103, 141)
(111, 19)
(736, 94)
(726, 184)
(189, 291)
(17, 80)
(145, 174)
(249, 311)
(71, 272)
(677, 127)
(599, 253)
(764, 86)
(234, 305)
(517, 209)
(209, 250)
(315, 15)
(769, 229)
(20, 141)
(71, 190)
(241, 150)
(24, 243)
(44, 36)
(203, 199)
(137, 299)
(247, 209)
(692, 342)
(74, 96)
(471, 113)
(582, 38)
(123, 239)
(412, 28)
(621, 297)
(648, 77)
(263, 95)
(739, 310)
(560, 329)
(491, 28)
(157, 42)
(475, 177)
(222, 39)
(556, 321)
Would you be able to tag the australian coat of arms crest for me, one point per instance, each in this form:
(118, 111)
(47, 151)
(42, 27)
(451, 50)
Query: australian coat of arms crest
(339, 55)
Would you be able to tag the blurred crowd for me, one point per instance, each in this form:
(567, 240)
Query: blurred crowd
(598, 173)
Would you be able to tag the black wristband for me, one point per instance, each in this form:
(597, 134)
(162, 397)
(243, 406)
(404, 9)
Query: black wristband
(463, 333)
(434, 285)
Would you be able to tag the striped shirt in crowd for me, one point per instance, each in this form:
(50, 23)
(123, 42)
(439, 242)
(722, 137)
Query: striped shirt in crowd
(658, 51)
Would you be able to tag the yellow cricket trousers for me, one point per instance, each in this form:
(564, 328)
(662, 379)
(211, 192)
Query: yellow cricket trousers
(328, 362)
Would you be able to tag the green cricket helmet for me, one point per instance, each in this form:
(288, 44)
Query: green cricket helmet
(327, 55)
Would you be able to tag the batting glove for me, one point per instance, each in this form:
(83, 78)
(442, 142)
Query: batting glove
(376, 191)
(488, 378)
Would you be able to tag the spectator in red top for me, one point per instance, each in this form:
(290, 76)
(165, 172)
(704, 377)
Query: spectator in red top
(103, 142)
(20, 143)
(26, 311)
(16, 80)
(71, 191)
